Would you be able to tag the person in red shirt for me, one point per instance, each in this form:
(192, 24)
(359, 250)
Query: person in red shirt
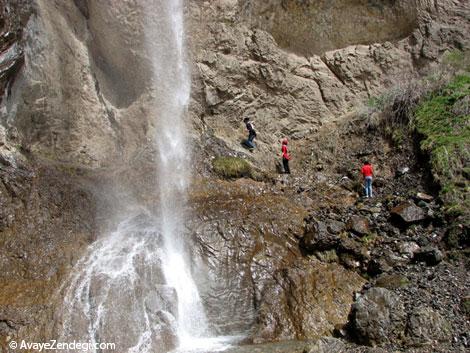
(285, 157)
(367, 173)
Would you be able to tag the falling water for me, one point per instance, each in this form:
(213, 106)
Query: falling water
(135, 286)
(165, 35)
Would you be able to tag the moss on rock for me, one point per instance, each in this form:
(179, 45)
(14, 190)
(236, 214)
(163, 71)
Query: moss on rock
(232, 167)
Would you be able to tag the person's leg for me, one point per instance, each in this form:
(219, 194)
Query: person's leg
(285, 163)
(249, 142)
(368, 187)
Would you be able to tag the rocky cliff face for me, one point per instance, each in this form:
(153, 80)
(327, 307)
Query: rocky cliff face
(76, 92)
(270, 60)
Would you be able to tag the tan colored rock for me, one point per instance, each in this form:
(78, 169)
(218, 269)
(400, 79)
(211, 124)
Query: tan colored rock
(313, 27)
(281, 63)
(305, 301)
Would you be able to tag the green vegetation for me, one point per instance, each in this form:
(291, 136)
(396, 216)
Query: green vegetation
(437, 110)
(392, 281)
(232, 167)
(369, 239)
(443, 120)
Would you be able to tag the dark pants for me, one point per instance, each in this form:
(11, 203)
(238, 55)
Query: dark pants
(249, 142)
(285, 163)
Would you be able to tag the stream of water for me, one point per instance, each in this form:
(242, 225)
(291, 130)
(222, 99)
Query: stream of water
(135, 285)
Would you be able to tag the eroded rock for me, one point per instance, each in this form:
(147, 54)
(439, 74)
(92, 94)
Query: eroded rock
(408, 213)
(378, 317)
(358, 225)
(426, 326)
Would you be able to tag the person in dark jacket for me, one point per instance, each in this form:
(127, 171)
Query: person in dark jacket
(285, 156)
(251, 133)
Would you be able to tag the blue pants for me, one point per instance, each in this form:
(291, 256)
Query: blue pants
(368, 186)
(249, 142)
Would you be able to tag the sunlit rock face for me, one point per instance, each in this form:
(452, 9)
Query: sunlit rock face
(315, 26)
(77, 96)
(293, 66)
(82, 94)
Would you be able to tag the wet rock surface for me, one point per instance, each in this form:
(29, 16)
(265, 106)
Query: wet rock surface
(252, 253)
(291, 254)
(47, 219)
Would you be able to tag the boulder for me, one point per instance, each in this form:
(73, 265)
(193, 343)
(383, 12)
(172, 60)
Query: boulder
(334, 226)
(428, 254)
(358, 225)
(408, 213)
(317, 238)
(427, 326)
(408, 248)
(378, 317)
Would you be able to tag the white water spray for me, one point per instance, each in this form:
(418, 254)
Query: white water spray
(135, 286)
(165, 33)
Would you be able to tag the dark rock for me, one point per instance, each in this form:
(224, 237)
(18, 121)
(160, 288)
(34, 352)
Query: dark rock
(358, 225)
(334, 226)
(427, 326)
(408, 213)
(378, 317)
(317, 238)
(430, 255)
(378, 266)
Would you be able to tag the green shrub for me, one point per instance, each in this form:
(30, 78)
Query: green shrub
(232, 167)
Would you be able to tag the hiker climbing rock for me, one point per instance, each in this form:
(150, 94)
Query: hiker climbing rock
(367, 173)
(285, 157)
(251, 133)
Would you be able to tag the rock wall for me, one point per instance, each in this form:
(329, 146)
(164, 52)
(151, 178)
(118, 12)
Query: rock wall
(314, 27)
(75, 78)
(248, 62)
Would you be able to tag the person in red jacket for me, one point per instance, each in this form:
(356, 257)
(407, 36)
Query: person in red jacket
(285, 157)
(367, 173)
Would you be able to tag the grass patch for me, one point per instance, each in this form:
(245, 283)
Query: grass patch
(392, 281)
(444, 123)
(232, 167)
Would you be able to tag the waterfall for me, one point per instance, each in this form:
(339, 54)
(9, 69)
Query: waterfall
(134, 287)
(165, 35)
